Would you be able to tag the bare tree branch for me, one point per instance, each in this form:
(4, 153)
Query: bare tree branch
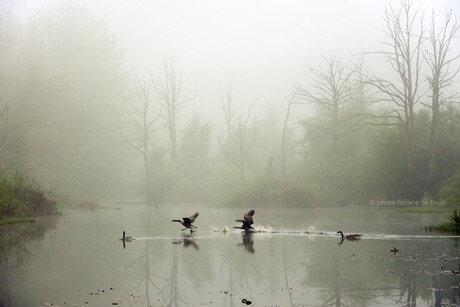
(173, 97)
(147, 112)
(333, 92)
(403, 52)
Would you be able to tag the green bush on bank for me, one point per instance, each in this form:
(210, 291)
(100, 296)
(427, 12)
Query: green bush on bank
(24, 197)
(450, 191)
(453, 225)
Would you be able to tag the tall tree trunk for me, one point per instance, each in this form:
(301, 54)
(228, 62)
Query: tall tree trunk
(283, 141)
(439, 60)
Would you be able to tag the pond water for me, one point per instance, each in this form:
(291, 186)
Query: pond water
(77, 259)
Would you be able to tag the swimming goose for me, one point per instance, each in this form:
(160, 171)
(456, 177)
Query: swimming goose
(126, 238)
(247, 221)
(188, 221)
(350, 237)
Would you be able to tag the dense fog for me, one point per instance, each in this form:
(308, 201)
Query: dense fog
(298, 103)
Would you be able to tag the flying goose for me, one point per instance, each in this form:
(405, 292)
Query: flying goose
(247, 221)
(188, 221)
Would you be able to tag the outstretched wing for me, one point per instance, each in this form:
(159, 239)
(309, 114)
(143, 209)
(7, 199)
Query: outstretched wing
(245, 225)
(248, 217)
(193, 217)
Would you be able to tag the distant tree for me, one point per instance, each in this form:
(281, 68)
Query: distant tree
(291, 100)
(237, 149)
(64, 71)
(147, 112)
(332, 92)
(227, 103)
(4, 136)
(440, 58)
(403, 52)
(170, 90)
(194, 164)
(163, 176)
(6, 44)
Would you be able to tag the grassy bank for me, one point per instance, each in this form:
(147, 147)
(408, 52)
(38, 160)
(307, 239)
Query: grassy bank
(10, 220)
(451, 226)
(22, 198)
(426, 209)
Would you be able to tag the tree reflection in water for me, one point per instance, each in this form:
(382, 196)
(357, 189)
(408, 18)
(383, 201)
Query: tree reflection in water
(355, 276)
(160, 284)
(17, 244)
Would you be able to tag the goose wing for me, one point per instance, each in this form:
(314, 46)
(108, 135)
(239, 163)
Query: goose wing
(246, 224)
(193, 217)
(248, 217)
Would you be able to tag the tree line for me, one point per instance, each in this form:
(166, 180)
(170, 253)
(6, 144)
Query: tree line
(72, 117)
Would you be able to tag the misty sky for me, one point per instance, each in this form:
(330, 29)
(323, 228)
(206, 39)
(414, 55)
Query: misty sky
(262, 46)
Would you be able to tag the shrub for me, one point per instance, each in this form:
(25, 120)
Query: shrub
(450, 191)
(20, 196)
(453, 225)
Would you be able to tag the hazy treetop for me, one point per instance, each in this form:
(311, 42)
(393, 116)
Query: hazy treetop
(262, 45)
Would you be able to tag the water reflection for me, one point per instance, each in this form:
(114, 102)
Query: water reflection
(187, 241)
(377, 274)
(214, 269)
(17, 244)
(248, 242)
(162, 265)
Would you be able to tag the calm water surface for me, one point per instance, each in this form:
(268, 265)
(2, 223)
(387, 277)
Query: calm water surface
(77, 259)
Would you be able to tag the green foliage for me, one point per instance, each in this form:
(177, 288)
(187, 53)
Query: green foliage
(371, 164)
(61, 111)
(187, 180)
(450, 191)
(272, 192)
(22, 197)
(385, 170)
(453, 225)
(193, 166)
(9, 220)
(163, 176)
(446, 159)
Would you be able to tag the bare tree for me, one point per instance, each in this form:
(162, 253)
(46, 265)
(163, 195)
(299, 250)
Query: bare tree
(6, 43)
(4, 138)
(441, 74)
(332, 92)
(147, 112)
(171, 93)
(237, 149)
(403, 52)
(226, 101)
(291, 100)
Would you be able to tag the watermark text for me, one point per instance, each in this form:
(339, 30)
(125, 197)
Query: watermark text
(407, 202)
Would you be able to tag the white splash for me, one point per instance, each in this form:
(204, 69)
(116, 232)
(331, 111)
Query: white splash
(223, 229)
(264, 229)
(310, 230)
